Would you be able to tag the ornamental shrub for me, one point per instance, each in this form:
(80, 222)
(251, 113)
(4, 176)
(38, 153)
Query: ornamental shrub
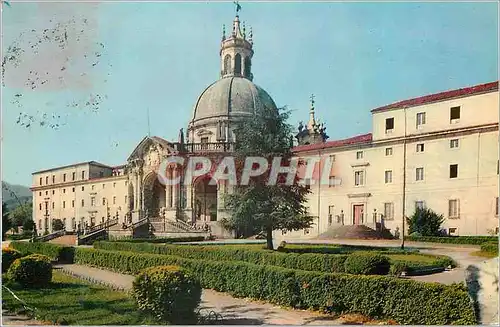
(31, 271)
(8, 257)
(169, 293)
(490, 247)
(367, 264)
(56, 252)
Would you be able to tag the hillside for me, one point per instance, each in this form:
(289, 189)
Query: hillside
(23, 193)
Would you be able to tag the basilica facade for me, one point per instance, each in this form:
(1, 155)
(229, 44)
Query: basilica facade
(433, 151)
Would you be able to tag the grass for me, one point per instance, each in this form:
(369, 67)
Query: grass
(71, 301)
(484, 254)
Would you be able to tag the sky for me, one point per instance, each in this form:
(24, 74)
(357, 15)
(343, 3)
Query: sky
(97, 69)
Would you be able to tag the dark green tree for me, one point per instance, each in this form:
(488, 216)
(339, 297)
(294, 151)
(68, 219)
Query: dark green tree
(20, 214)
(6, 224)
(425, 222)
(29, 227)
(261, 207)
(57, 225)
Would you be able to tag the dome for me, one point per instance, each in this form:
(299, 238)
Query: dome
(231, 96)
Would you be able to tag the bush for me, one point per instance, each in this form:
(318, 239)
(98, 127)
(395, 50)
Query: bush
(425, 222)
(490, 247)
(8, 257)
(367, 264)
(55, 252)
(406, 301)
(31, 271)
(169, 293)
(474, 240)
(163, 240)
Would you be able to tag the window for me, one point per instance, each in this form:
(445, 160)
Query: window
(92, 201)
(496, 206)
(453, 231)
(420, 119)
(72, 203)
(453, 209)
(114, 184)
(204, 141)
(64, 204)
(83, 174)
(53, 179)
(388, 151)
(359, 155)
(103, 185)
(53, 192)
(126, 183)
(40, 206)
(419, 205)
(114, 200)
(332, 158)
(332, 181)
(498, 166)
(41, 181)
(389, 211)
(40, 193)
(64, 177)
(83, 203)
(93, 186)
(358, 178)
(454, 114)
(46, 180)
(331, 210)
(103, 201)
(420, 147)
(83, 188)
(46, 192)
(419, 174)
(74, 176)
(454, 143)
(388, 176)
(64, 191)
(53, 205)
(389, 125)
(453, 171)
(237, 64)
(125, 199)
(73, 190)
(248, 65)
(227, 64)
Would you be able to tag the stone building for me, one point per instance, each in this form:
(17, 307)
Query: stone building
(438, 151)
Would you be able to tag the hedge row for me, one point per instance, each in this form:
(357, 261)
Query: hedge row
(336, 248)
(304, 261)
(490, 247)
(474, 240)
(406, 301)
(55, 252)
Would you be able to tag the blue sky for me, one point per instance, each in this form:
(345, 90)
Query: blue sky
(160, 56)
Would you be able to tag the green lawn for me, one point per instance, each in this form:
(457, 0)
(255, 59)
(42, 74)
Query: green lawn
(75, 302)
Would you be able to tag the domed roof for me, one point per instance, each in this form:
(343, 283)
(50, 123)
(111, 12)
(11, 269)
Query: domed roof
(231, 96)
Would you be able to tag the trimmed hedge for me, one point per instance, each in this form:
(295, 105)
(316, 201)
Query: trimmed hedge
(336, 248)
(406, 301)
(8, 257)
(367, 264)
(304, 261)
(55, 252)
(490, 247)
(34, 270)
(162, 240)
(474, 240)
(169, 293)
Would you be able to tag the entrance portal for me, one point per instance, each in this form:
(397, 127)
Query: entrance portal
(205, 200)
(358, 210)
(154, 196)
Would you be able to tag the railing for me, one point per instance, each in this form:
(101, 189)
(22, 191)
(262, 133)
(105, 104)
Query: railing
(204, 147)
(139, 223)
(51, 236)
(103, 225)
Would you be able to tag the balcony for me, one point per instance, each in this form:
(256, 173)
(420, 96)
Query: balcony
(204, 147)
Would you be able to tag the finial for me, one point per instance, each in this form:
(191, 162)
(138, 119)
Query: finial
(238, 7)
(223, 32)
(244, 30)
(311, 125)
(312, 102)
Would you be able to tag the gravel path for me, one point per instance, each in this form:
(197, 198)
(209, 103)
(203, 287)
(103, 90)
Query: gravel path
(235, 311)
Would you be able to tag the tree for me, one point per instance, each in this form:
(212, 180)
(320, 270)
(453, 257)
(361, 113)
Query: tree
(29, 227)
(21, 214)
(6, 225)
(57, 225)
(260, 207)
(425, 222)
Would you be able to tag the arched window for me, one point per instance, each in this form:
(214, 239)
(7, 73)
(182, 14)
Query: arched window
(248, 66)
(227, 64)
(237, 64)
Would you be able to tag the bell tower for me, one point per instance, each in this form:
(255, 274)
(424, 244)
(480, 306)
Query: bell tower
(236, 50)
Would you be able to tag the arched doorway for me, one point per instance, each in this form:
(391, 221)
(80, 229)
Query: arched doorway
(154, 196)
(205, 200)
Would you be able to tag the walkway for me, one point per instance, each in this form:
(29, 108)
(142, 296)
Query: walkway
(461, 253)
(235, 311)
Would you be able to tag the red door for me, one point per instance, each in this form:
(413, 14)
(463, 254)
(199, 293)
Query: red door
(358, 214)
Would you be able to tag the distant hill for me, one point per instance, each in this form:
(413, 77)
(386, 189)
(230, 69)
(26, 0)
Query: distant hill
(23, 193)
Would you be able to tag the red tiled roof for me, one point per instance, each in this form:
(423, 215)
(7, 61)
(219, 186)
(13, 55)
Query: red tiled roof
(481, 88)
(365, 138)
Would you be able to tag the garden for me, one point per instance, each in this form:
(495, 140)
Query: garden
(331, 279)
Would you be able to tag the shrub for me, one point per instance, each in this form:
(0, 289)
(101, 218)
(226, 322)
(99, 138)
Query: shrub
(474, 240)
(162, 240)
(169, 293)
(406, 301)
(31, 271)
(425, 222)
(490, 247)
(367, 264)
(8, 257)
(55, 252)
